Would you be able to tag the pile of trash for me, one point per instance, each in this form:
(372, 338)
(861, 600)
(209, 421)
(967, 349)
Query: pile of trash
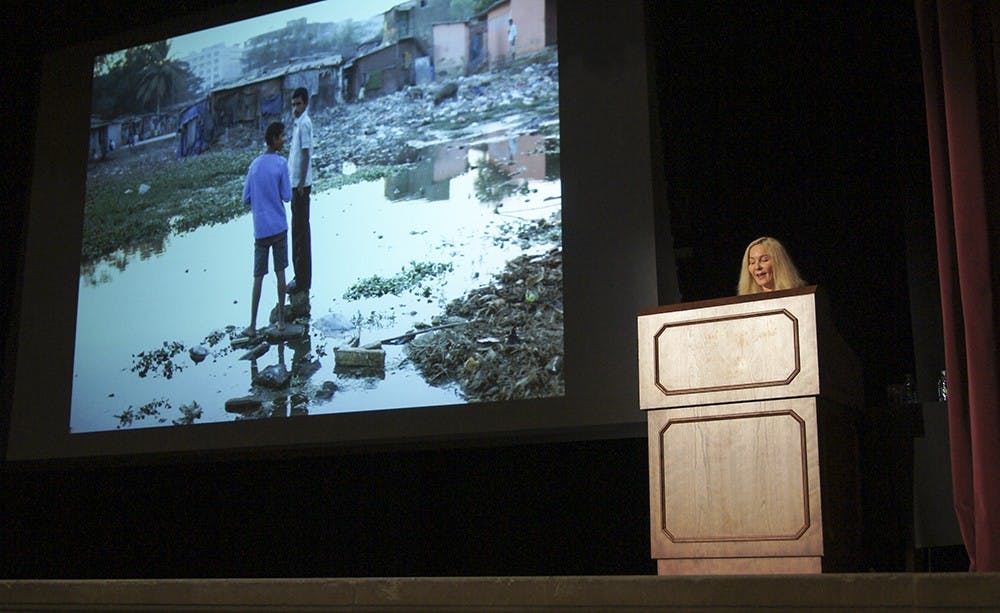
(512, 346)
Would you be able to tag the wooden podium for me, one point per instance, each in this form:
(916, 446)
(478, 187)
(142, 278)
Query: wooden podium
(753, 446)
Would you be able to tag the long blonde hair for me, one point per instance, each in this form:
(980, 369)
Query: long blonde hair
(786, 276)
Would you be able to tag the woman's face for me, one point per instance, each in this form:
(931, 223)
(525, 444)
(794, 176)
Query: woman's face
(761, 267)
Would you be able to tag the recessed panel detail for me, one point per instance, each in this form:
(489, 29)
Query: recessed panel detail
(727, 353)
(736, 477)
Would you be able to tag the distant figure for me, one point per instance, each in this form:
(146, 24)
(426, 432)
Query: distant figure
(300, 171)
(767, 267)
(511, 37)
(266, 190)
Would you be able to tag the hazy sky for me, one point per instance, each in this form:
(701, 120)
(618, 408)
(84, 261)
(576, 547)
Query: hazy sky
(237, 33)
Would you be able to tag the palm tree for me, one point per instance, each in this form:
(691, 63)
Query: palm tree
(161, 78)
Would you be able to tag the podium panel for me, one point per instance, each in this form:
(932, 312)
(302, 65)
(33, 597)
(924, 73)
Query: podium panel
(743, 351)
(751, 437)
(729, 352)
(735, 481)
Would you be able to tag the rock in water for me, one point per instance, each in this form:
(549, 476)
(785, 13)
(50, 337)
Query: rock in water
(241, 341)
(198, 353)
(364, 358)
(325, 392)
(246, 404)
(333, 324)
(290, 332)
(306, 368)
(256, 352)
(274, 377)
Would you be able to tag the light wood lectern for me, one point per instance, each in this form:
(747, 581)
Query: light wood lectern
(752, 436)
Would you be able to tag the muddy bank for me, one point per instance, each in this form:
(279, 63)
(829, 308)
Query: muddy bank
(512, 347)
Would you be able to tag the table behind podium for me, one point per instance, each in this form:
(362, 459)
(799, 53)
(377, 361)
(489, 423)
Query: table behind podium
(751, 408)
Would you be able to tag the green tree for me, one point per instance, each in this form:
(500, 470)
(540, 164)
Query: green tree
(464, 9)
(261, 54)
(349, 35)
(139, 80)
(161, 79)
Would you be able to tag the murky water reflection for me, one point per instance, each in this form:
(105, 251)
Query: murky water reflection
(200, 284)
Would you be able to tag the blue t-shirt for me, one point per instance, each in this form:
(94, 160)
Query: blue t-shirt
(267, 189)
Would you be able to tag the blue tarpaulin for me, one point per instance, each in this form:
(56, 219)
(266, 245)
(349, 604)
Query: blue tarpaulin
(271, 106)
(195, 130)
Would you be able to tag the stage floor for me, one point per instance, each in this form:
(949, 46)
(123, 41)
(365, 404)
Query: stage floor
(827, 592)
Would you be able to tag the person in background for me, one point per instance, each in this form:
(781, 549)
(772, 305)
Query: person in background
(266, 191)
(511, 37)
(767, 267)
(300, 171)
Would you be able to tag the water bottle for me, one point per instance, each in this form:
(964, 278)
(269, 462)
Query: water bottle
(942, 388)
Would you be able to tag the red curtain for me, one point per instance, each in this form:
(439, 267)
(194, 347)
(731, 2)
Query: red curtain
(960, 50)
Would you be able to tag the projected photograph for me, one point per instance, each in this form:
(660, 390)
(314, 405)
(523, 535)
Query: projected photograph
(434, 217)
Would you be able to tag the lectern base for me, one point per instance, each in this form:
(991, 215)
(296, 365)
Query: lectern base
(739, 566)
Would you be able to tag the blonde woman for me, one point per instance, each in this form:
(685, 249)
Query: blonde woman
(767, 267)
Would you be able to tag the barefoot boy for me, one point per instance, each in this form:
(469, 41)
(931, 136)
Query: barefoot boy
(267, 189)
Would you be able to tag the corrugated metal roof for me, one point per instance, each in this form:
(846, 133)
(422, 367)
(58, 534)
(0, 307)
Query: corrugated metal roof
(327, 62)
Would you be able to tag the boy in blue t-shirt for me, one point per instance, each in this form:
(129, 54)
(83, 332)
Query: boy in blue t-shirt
(267, 189)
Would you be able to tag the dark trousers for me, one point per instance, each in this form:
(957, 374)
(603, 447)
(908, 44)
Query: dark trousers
(301, 240)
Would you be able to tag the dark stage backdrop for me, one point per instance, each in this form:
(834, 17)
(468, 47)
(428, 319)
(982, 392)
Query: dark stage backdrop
(803, 121)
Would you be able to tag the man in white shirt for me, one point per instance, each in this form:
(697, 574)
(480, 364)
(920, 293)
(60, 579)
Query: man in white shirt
(300, 172)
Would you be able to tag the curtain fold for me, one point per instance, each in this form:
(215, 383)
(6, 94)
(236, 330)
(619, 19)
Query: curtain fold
(960, 51)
